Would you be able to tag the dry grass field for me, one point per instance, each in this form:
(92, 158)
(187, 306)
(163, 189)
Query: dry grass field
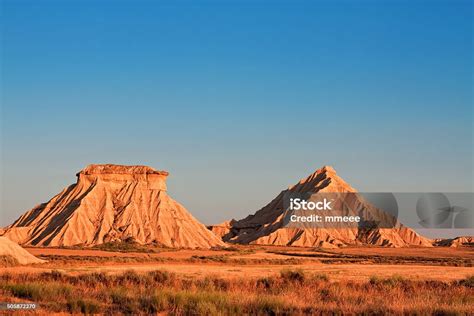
(245, 280)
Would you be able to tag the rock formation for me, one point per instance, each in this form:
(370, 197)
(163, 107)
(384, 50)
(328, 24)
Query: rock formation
(16, 254)
(111, 203)
(267, 227)
(221, 229)
(456, 242)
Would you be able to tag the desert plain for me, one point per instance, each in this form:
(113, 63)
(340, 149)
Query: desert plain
(244, 279)
(355, 263)
(115, 242)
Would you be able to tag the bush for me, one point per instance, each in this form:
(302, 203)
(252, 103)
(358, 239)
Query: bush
(131, 276)
(217, 258)
(158, 292)
(321, 277)
(123, 301)
(152, 304)
(201, 303)
(128, 245)
(266, 283)
(40, 291)
(162, 277)
(28, 291)
(268, 305)
(8, 261)
(374, 280)
(84, 306)
(297, 275)
(93, 279)
(325, 294)
(213, 283)
(468, 281)
(230, 248)
(394, 280)
(53, 275)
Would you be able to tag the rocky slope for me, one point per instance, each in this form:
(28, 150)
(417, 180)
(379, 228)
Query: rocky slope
(456, 242)
(221, 229)
(267, 227)
(112, 203)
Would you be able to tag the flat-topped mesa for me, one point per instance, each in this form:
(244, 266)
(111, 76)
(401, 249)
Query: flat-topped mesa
(112, 203)
(151, 178)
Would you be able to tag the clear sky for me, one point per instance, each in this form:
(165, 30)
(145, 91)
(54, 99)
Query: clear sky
(236, 99)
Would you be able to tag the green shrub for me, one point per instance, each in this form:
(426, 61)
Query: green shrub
(158, 302)
(84, 306)
(37, 292)
(29, 291)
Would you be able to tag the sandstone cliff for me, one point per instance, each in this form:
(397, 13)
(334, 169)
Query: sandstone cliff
(221, 229)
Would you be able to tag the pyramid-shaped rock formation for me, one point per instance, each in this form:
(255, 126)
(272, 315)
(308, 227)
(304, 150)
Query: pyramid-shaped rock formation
(111, 203)
(267, 226)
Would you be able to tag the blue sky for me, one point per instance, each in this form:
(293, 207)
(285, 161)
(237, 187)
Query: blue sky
(236, 99)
